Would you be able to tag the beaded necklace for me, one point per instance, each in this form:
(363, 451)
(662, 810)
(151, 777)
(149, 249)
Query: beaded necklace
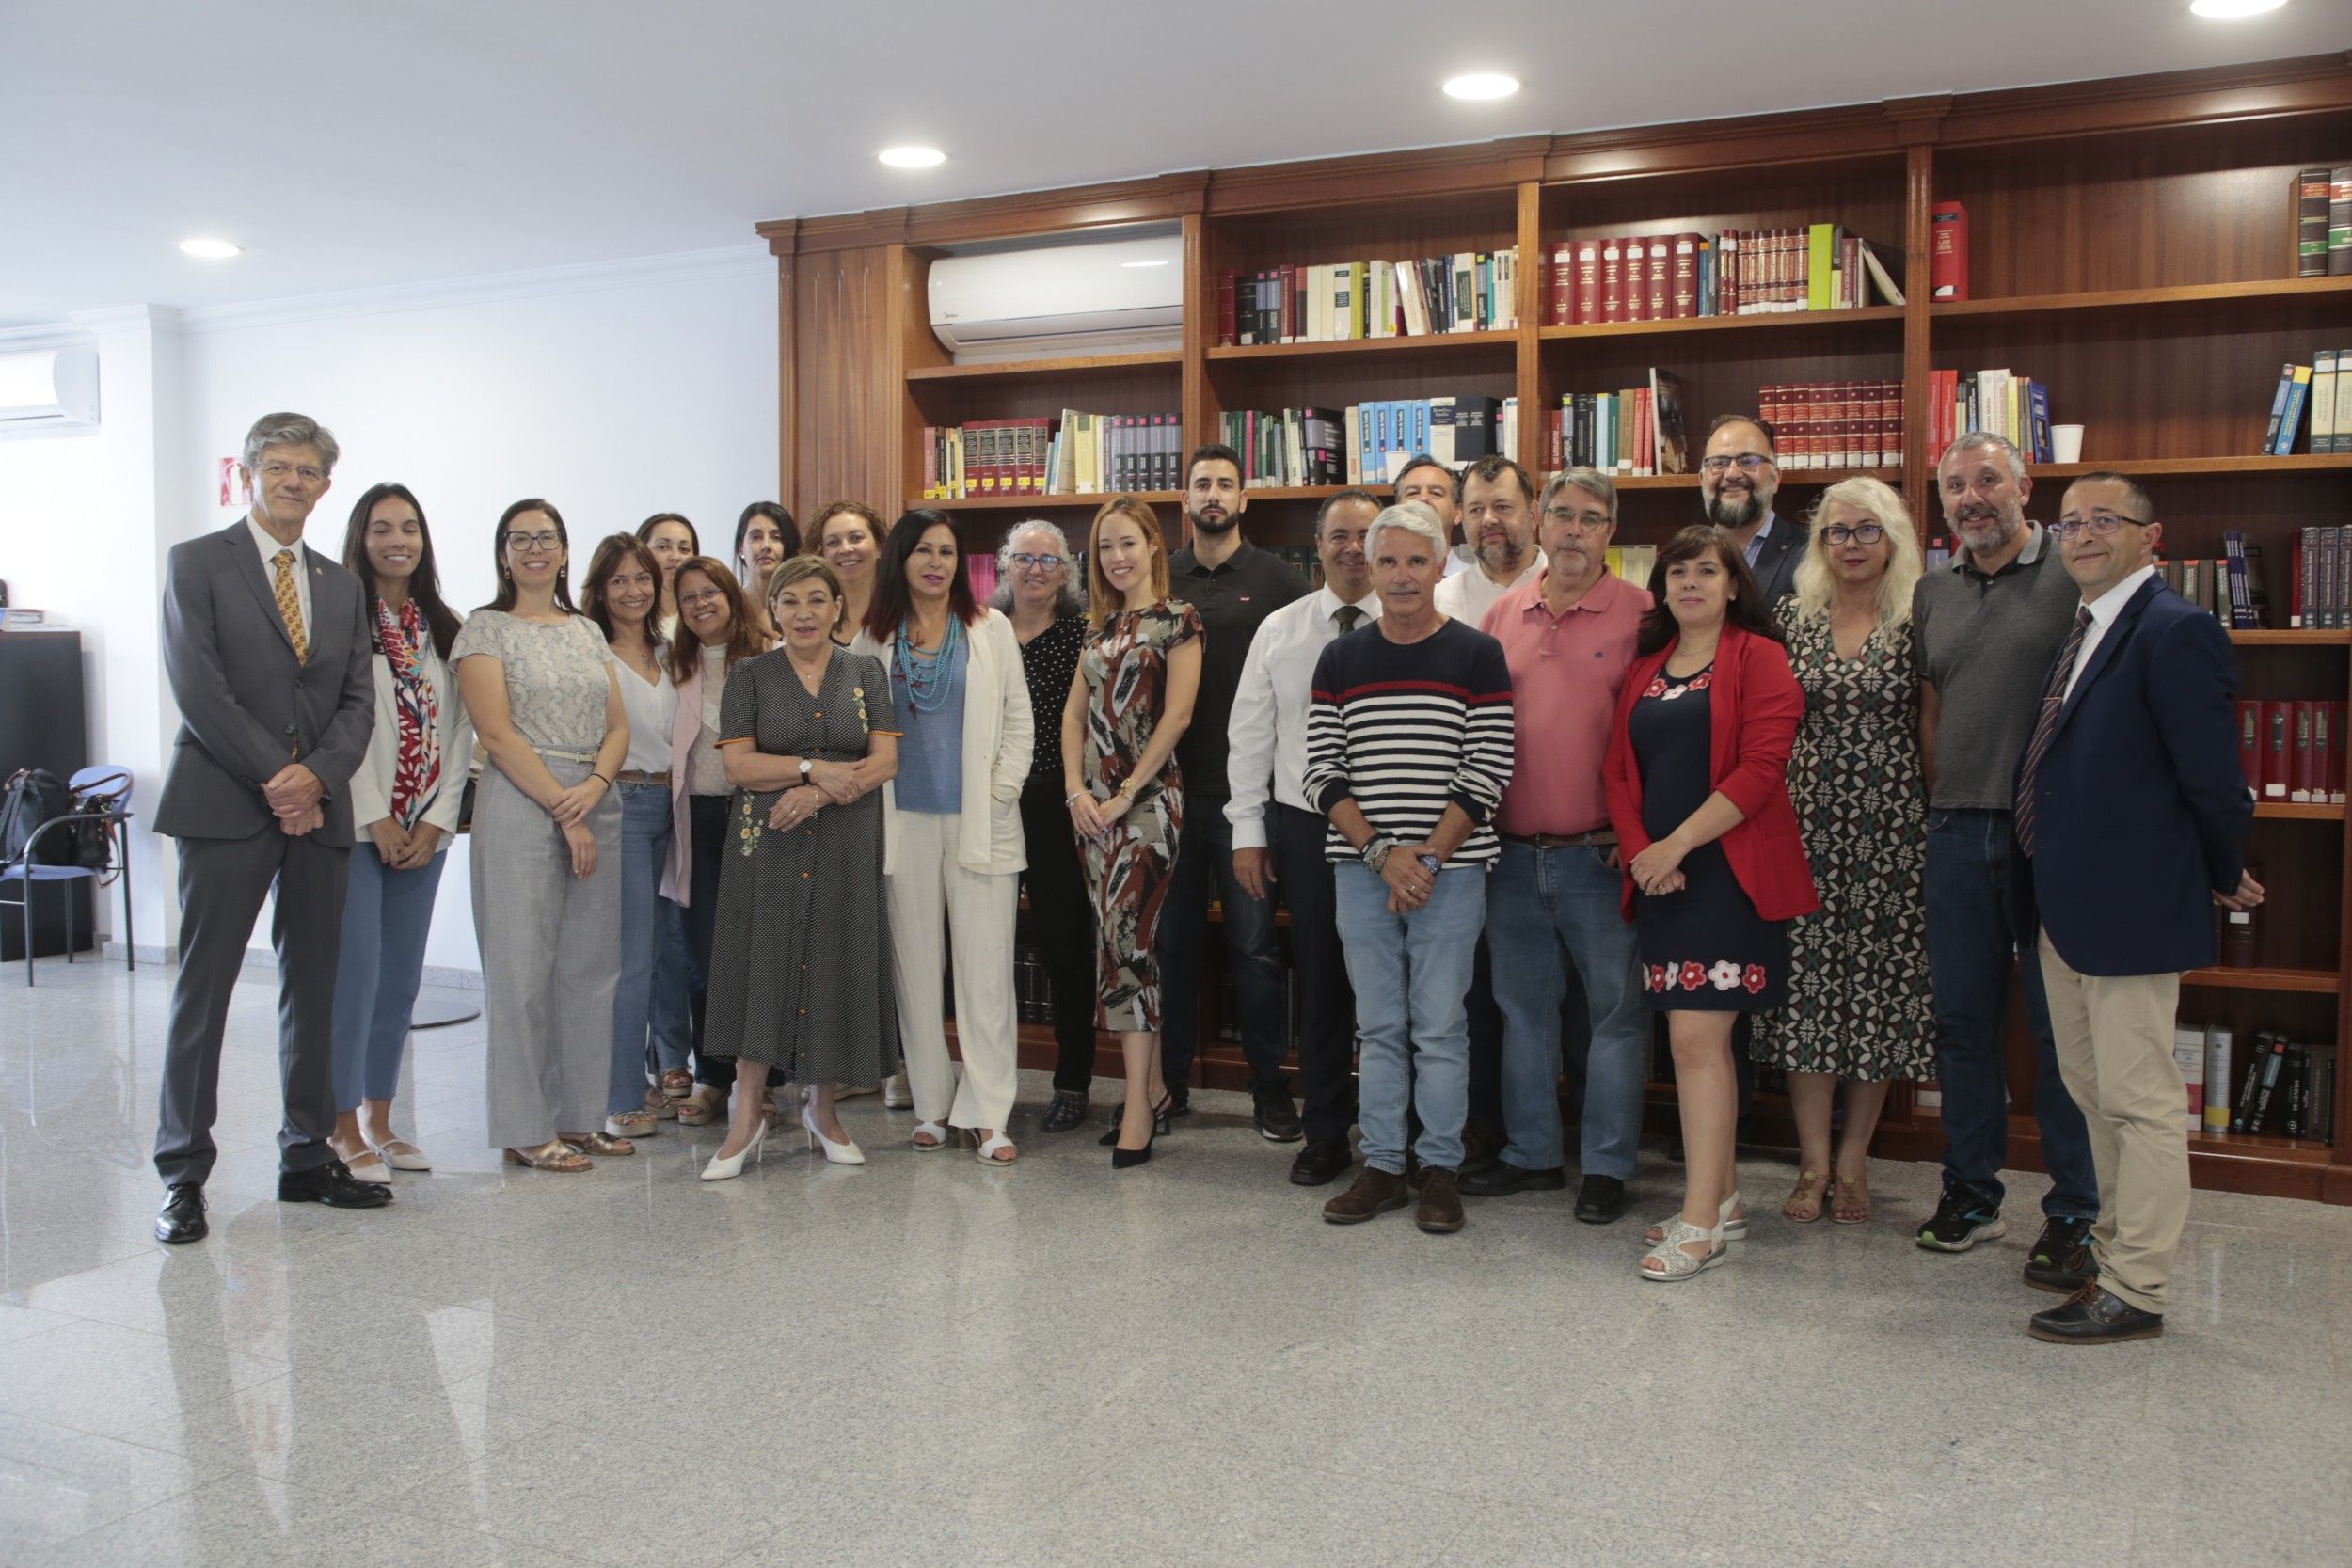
(929, 677)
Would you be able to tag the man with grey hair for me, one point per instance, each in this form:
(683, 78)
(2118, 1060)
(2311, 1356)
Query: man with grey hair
(1987, 630)
(266, 645)
(1408, 747)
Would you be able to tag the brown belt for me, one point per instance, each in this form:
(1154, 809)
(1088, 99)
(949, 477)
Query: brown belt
(636, 776)
(1599, 838)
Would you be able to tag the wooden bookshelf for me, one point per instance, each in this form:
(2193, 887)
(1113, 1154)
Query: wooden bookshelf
(2129, 248)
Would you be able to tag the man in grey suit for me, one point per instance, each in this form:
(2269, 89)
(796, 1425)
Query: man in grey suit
(267, 645)
(1738, 477)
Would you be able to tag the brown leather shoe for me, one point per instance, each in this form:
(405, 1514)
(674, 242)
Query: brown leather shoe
(1440, 1210)
(1372, 1192)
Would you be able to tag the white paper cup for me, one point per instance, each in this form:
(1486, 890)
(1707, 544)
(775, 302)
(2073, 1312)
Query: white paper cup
(2066, 443)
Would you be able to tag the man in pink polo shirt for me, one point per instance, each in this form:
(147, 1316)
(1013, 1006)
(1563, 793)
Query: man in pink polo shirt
(1567, 634)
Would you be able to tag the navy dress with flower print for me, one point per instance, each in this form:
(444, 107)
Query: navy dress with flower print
(1704, 948)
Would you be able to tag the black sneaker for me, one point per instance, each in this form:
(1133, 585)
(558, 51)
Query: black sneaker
(1320, 1162)
(1276, 1114)
(1067, 1111)
(2061, 1259)
(1961, 1220)
(2093, 1317)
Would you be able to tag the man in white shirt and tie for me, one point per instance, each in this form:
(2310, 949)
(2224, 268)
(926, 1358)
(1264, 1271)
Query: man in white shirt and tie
(1279, 837)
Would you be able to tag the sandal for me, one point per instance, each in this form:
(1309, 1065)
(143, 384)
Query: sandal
(993, 1145)
(660, 1107)
(1674, 1265)
(703, 1105)
(1805, 1200)
(677, 1084)
(557, 1155)
(1734, 1227)
(632, 1124)
(598, 1142)
(1850, 1202)
(933, 1131)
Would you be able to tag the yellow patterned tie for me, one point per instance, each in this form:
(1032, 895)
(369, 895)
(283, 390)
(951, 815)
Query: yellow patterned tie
(289, 605)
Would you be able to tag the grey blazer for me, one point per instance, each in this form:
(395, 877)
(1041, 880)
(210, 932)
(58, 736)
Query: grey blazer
(247, 709)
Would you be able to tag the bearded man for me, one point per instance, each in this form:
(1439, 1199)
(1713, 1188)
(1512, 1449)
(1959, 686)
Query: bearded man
(1738, 476)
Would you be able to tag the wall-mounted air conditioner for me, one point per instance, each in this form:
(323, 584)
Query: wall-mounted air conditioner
(49, 386)
(1116, 296)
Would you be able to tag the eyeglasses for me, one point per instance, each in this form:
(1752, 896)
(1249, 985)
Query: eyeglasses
(541, 542)
(1861, 534)
(1749, 462)
(1583, 522)
(2099, 525)
(1025, 561)
(707, 596)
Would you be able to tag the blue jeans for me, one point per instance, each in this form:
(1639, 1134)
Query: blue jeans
(645, 845)
(1205, 861)
(672, 1006)
(1973, 943)
(1410, 973)
(1540, 902)
(386, 916)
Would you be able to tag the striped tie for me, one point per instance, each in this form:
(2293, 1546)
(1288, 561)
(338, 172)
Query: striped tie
(289, 605)
(2053, 699)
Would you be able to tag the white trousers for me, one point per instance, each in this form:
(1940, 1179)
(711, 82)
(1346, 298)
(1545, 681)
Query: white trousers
(930, 895)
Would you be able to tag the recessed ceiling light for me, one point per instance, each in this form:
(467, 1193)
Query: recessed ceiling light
(211, 250)
(2232, 11)
(911, 157)
(1480, 86)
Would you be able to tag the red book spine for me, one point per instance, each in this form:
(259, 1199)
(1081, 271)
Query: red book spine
(1948, 251)
(1291, 326)
(1588, 280)
(1227, 326)
(1731, 252)
(1563, 285)
(2278, 749)
(1040, 443)
(2307, 780)
(1612, 280)
(1662, 265)
(2249, 743)
(1686, 289)
(2335, 754)
(1636, 279)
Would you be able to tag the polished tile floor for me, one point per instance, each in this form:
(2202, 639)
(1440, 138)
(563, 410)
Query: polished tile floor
(925, 1360)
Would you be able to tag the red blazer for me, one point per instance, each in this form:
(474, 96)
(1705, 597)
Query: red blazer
(1754, 705)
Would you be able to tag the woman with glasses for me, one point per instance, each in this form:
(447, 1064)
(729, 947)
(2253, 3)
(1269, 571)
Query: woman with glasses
(546, 843)
(1858, 1004)
(1037, 585)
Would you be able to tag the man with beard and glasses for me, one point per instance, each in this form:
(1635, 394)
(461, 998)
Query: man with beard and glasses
(1987, 630)
(1234, 586)
(1738, 479)
(1499, 517)
(1425, 480)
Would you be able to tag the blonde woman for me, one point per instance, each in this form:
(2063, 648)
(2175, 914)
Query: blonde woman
(1858, 1004)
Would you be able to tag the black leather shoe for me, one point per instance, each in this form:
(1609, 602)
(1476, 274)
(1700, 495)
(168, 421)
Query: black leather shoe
(1320, 1162)
(1068, 1110)
(1276, 1114)
(181, 1217)
(1601, 1200)
(2093, 1317)
(1502, 1179)
(1481, 1145)
(2061, 1260)
(1179, 1101)
(332, 1184)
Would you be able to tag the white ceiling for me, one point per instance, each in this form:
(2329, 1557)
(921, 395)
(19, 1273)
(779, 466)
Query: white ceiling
(348, 146)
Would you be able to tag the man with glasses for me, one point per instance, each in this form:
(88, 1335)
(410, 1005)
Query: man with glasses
(1986, 630)
(266, 646)
(2133, 813)
(1567, 635)
(1498, 522)
(1425, 480)
(1737, 480)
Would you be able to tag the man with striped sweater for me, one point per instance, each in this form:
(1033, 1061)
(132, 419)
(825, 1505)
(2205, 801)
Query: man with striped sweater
(1408, 746)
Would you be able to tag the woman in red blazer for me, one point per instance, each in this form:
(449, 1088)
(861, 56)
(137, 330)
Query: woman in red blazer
(1698, 793)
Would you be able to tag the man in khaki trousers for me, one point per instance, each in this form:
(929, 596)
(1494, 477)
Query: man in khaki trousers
(2133, 813)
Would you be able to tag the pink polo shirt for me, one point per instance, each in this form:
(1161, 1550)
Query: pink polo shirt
(1565, 671)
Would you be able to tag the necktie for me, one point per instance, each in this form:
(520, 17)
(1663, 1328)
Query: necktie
(1349, 617)
(2045, 725)
(290, 605)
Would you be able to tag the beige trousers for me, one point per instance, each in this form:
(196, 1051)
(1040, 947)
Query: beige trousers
(933, 897)
(2113, 1036)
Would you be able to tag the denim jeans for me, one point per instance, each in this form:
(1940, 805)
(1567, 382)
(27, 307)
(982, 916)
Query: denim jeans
(387, 915)
(1205, 861)
(645, 845)
(1540, 902)
(1410, 973)
(671, 1008)
(1973, 943)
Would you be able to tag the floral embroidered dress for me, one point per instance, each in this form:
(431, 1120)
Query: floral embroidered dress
(1703, 947)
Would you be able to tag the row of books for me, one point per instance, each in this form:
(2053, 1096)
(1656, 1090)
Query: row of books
(1470, 290)
(1367, 443)
(2325, 386)
(1739, 272)
(2281, 1086)
(2293, 751)
(2323, 222)
(2231, 588)
(1835, 424)
(1077, 453)
(2000, 402)
(2321, 585)
(1638, 430)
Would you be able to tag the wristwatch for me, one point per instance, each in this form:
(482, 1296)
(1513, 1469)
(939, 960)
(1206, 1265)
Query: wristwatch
(1375, 851)
(807, 766)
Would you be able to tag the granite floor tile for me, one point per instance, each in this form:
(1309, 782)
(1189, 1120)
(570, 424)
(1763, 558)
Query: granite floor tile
(56, 1483)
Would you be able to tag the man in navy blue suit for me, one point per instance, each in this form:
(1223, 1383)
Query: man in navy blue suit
(2133, 811)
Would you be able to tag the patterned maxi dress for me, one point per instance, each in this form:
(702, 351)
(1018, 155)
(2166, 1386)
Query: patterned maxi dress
(1125, 665)
(1858, 998)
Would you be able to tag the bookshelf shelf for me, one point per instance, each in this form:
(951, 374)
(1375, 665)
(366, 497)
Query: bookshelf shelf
(1046, 370)
(2262, 292)
(2274, 637)
(1788, 478)
(1874, 315)
(1045, 503)
(2156, 468)
(2297, 811)
(2318, 982)
(2260, 1145)
(1425, 342)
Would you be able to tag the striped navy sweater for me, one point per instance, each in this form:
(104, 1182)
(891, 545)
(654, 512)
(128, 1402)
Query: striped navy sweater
(1404, 729)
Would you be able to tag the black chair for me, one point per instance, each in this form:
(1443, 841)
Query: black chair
(99, 794)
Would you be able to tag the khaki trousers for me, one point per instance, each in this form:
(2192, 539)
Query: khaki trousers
(2113, 1036)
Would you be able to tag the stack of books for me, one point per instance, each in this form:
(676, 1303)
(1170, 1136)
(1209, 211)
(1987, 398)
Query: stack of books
(2000, 402)
(2284, 1087)
(1739, 272)
(2322, 578)
(2231, 588)
(1470, 290)
(2325, 388)
(1835, 424)
(1637, 431)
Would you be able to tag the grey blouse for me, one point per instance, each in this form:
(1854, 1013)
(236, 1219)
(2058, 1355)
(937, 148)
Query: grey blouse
(556, 680)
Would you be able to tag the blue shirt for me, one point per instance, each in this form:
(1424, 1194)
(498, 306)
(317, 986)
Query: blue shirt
(1756, 540)
(930, 751)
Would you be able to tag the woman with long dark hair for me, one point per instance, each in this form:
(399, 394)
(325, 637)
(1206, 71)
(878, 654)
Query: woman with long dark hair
(1697, 780)
(547, 706)
(673, 541)
(404, 798)
(952, 827)
(765, 538)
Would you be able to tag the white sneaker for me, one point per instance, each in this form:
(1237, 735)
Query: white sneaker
(896, 1095)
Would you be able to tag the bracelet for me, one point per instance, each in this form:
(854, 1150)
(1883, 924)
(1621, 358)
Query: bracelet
(1072, 799)
(600, 778)
(1131, 789)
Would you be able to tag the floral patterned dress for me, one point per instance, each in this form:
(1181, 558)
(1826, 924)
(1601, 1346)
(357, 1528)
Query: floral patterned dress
(1125, 665)
(1703, 947)
(1858, 997)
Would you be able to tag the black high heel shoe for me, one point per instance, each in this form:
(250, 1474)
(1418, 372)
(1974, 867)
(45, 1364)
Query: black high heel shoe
(1127, 1159)
(1159, 1122)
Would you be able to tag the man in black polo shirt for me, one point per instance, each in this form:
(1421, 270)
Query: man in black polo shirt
(1234, 586)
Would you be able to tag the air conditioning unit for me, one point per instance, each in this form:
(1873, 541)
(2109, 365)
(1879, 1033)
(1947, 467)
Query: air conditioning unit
(1116, 296)
(50, 387)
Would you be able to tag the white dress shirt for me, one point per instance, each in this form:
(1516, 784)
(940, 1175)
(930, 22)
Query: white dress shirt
(269, 548)
(1267, 731)
(1467, 596)
(2104, 609)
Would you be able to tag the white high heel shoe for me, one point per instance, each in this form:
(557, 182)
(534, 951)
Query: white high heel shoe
(846, 1152)
(726, 1168)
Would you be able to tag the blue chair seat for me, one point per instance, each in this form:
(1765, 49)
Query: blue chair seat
(45, 873)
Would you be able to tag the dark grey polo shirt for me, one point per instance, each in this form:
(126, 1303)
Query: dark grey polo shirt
(1986, 644)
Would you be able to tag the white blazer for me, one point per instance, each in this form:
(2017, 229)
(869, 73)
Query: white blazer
(1000, 735)
(371, 785)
